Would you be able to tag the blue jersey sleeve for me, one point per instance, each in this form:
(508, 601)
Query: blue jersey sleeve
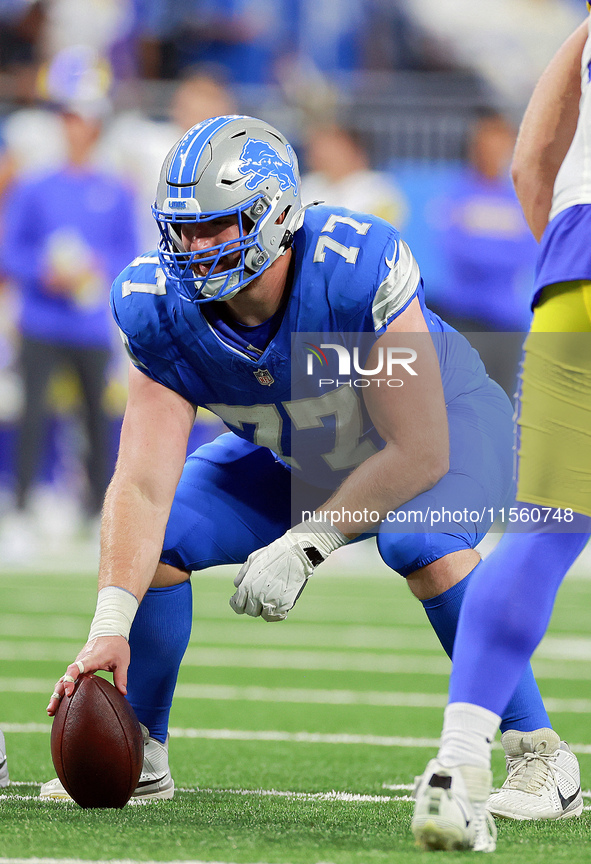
(144, 311)
(362, 265)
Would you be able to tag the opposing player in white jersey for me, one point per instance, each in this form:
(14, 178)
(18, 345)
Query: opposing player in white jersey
(508, 607)
(279, 319)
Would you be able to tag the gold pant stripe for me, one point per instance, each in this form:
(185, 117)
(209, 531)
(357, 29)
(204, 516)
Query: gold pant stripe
(555, 402)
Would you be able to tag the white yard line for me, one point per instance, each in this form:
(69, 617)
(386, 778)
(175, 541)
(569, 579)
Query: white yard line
(256, 658)
(257, 793)
(557, 657)
(89, 861)
(394, 787)
(271, 793)
(209, 632)
(289, 737)
(310, 696)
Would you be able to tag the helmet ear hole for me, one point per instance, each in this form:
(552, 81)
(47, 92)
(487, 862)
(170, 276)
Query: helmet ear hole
(283, 216)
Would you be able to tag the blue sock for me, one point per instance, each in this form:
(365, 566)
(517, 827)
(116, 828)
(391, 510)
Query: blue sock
(526, 710)
(506, 613)
(158, 640)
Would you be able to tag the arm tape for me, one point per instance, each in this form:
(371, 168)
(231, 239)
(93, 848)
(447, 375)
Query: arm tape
(115, 611)
(322, 534)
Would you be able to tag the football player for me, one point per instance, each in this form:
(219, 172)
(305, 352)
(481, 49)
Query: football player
(243, 279)
(510, 601)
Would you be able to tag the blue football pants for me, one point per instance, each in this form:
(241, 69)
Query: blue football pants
(234, 498)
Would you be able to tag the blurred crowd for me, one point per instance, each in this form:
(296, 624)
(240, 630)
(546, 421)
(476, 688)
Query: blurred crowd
(93, 93)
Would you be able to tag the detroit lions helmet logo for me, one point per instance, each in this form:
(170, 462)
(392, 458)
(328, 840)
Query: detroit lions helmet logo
(261, 161)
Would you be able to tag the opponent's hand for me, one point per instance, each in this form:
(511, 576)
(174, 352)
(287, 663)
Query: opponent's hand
(109, 653)
(272, 579)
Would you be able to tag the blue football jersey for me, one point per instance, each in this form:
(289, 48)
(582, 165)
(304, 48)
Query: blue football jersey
(353, 274)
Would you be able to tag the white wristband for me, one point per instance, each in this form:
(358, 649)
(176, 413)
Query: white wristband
(323, 535)
(115, 611)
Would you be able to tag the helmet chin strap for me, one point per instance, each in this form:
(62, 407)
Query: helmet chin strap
(298, 217)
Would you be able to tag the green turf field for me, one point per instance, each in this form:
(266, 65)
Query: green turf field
(292, 743)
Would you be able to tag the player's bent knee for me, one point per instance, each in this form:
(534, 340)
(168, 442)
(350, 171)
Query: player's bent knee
(166, 575)
(440, 575)
(423, 554)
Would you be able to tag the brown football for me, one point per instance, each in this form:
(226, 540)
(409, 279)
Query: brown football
(97, 745)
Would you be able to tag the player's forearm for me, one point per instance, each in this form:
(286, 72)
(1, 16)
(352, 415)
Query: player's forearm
(152, 451)
(132, 533)
(547, 131)
(411, 420)
(384, 482)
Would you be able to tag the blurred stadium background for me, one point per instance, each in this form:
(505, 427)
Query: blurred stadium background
(407, 80)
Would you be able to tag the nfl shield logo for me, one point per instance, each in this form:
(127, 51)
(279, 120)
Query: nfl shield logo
(263, 376)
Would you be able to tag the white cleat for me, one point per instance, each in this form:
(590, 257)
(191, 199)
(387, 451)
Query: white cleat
(543, 781)
(54, 790)
(4, 779)
(450, 809)
(155, 781)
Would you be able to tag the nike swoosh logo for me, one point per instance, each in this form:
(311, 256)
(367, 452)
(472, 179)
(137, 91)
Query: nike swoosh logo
(150, 782)
(391, 263)
(566, 802)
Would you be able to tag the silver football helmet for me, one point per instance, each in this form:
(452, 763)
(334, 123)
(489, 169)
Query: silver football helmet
(227, 166)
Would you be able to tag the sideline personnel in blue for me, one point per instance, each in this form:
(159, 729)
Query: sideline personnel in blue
(66, 234)
(242, 270)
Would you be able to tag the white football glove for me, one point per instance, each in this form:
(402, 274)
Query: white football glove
(272, 579)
